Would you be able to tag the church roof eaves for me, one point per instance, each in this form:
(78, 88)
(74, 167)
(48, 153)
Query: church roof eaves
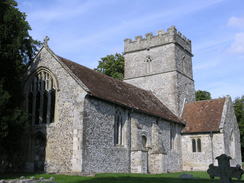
(119, 92)
(203, 116)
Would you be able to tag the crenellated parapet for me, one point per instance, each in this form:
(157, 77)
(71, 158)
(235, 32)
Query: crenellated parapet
(162, 38)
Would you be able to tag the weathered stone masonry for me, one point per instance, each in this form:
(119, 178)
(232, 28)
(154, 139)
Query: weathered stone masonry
(105, 125)
(168, 73)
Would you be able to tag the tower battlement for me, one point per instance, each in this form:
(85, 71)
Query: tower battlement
(162, 38)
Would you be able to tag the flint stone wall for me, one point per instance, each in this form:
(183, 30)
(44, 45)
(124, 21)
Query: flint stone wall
(62, 153)
(201, 160)
(100, 154)
(157, 146)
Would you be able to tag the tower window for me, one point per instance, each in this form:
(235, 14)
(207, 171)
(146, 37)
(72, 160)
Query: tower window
(148, 61)
(41, 97)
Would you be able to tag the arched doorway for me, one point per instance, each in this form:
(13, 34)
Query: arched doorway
(39, 152)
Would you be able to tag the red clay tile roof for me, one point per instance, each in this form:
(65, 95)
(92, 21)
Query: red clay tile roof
(119, 92)
(203, 116)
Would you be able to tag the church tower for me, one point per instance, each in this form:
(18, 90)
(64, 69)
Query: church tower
(163, 65)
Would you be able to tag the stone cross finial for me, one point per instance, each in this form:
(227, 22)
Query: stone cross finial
(45, 41)
(224, 171)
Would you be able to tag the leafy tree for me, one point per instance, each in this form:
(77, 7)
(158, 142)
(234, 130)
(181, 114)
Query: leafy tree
(239, 112)
(202, 95)
(112, 65)
(239, 109)
(16, 49)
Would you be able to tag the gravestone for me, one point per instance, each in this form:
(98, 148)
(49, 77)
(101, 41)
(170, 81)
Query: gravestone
(224, 171)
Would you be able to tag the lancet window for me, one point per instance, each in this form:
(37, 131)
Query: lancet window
(196, 145)
(41, 97)
(118, 128)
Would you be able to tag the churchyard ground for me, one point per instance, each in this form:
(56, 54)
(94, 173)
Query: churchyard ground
(199, 177)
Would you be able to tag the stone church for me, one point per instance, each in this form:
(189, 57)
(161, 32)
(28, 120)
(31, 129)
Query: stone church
(85, 121)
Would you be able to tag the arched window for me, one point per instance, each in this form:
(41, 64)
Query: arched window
(199, 148)
(144, 141)
(193, 145)
(41, 96)
(118, 128)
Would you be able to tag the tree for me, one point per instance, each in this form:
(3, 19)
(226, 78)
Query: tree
(202, 95)
(112, 65)
(239, 109)
(17, 48)
(239, 112)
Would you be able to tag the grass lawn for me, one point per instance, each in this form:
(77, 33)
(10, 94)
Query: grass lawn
(199, 177)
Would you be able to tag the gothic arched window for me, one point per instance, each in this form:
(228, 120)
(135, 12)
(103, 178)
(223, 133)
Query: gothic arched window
(41, 97)
(118, 128)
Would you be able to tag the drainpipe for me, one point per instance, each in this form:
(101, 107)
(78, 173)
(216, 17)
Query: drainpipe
(211, 137)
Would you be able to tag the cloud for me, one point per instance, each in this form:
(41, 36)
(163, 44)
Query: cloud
(236, 22)
(238, 44)
(63, 10)
(147, 19)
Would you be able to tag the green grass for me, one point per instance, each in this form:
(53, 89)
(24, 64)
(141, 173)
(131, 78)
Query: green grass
(199, 177)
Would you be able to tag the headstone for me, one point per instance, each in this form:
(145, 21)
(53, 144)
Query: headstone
(224, 171)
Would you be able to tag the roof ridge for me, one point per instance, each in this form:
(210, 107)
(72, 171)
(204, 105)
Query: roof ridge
(102, 74)
(134, 97)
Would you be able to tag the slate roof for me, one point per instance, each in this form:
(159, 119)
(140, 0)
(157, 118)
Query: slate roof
(119, 92)
(203, 116)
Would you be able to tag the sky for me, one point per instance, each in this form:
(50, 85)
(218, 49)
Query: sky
(86, 30)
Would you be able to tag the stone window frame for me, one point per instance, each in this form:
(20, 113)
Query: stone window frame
(40, 81)
(118, 128)
(144, 141)
(196, 144)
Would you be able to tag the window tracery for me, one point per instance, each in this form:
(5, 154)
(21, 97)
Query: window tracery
(41, 97)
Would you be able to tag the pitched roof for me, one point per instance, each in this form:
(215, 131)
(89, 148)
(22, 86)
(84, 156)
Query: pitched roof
(119, 92)
(203, 116)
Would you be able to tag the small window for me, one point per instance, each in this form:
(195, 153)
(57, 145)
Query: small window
(193, 145)
(196, 145)
(118, 128)
(144, 141)
(199, 148)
